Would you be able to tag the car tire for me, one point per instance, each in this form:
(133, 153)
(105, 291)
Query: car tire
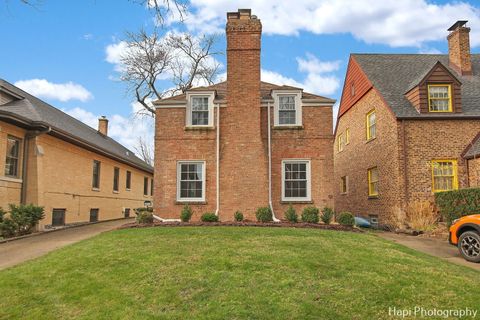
(469, 246)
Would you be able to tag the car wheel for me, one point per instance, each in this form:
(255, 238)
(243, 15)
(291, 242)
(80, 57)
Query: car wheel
(469, 246)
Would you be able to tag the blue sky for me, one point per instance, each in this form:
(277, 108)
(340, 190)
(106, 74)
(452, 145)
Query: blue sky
(305, 42)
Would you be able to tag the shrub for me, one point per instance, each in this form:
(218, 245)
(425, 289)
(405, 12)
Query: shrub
(291, 215)
(186, 213)
(238, 216)
(327, 215)
(310, 214)
(458, 203)
(346, 219)
(144, 217)
(264, 214)
(209, 217)
(421, 215)
(25, 217)
(144, 209)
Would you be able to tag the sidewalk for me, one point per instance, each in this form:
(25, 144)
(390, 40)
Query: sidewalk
(18, 251)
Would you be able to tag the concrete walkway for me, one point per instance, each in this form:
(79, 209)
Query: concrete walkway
(434, 247)
(18, 251)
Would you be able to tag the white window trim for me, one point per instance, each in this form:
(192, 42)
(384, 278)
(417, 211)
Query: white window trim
(179, 163)
(298, 106)
(188, 117)
(309, 181)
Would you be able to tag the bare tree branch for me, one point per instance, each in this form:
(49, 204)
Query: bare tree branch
(144, 151)
(164, 8)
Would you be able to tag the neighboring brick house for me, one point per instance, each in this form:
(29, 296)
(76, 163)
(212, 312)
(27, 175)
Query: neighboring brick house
(403, 124)
(472, 158)
(230, 121)
(52, 160)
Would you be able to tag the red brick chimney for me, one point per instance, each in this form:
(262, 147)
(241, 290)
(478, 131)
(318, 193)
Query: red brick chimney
(243, 153)
(103, 125)
(459, 48)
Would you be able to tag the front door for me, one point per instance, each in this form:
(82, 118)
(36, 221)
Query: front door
(58, 217)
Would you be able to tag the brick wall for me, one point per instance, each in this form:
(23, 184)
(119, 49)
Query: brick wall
(360, 155)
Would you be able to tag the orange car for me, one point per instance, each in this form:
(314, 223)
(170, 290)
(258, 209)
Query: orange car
(465, 234)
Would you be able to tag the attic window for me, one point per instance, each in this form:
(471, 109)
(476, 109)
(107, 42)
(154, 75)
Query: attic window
(440, 98)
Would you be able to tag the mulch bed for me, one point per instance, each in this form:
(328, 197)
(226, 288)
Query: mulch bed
(301, 225)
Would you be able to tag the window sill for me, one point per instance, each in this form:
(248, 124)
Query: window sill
(199, 128)
(191, 202)
(127, 189)
(96, 189)
(289, 127)
(297, 201)
(116, 192)
(370, 140)
(343, 193)
(372, 197)
(11, 179)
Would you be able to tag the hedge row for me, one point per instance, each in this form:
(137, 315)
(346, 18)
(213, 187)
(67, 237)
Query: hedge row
(458, 203)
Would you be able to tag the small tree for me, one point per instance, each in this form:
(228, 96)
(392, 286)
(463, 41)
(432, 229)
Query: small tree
(264, 214)
(238, 216)
(186, 213)
(327, 215)
(291, 214)
(310, 214)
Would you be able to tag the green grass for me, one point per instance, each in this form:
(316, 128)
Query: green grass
(233, 273)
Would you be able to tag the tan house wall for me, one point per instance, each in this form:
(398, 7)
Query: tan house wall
(474, 172)
(10, 187)
(360, 155)
(59, 176)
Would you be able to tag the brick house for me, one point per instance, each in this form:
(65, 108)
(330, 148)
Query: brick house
(242, 144)
(404, 123)
(52, 160)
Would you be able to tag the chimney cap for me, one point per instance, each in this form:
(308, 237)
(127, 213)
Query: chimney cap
(103, 118)
(458, 24)
(240, 14)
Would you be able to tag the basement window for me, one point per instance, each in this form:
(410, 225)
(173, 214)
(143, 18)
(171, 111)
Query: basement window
(440, 98)
(191, 181)
(296, 180)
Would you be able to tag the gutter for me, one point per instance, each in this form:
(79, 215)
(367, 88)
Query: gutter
(270, 166)
(28, 136)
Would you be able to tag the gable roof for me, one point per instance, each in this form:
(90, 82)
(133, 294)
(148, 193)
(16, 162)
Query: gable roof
(473, 149)
(395, 74)
(221, 93)
(33, 111)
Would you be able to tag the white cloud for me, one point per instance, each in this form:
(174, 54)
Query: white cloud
(319, 78)
(87, 36)
(57, 91)
(114, 53)
(392, 22)
(125, 130)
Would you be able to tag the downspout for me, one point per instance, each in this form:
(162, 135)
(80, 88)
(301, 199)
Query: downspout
(270, 165)
(218, 160)
(28, 137)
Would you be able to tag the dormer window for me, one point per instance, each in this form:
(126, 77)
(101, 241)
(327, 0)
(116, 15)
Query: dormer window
(288, 109)
(440, 98)
(200, 109)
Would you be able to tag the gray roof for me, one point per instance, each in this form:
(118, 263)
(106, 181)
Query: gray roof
(395, 74)
(473, 149)
(36, 111)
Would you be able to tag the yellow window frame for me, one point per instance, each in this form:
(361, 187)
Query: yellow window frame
(347, 136)
(344, 185)
(341, 143)
(371, 191)
(369, 126)
(449, 86)
(454, 175)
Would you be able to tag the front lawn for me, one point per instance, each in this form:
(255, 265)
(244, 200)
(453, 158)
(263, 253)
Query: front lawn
(233, 273)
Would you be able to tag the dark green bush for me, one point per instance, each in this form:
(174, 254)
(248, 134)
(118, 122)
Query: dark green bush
(238, 216)
(25, 217)
(7, 228)
(327, 215)
(264, 214)
(291, 215)
(144, 217)
(346, 219)
(144, 209)
(310, 214)
(458, 203)
(209, 217)
(186, 213)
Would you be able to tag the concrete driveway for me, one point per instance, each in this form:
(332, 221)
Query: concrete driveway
(434, 247)
(18, 251)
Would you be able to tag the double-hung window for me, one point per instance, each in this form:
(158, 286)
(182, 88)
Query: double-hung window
(128, 180)
(191, 181)
(296, 180)
(200, 109)
(116, 177)
(371, 125)
(12, 159)
(373, 182)
(96, 175)
(341, 142)
(287, 114)
(444, 175)
(439, 98)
